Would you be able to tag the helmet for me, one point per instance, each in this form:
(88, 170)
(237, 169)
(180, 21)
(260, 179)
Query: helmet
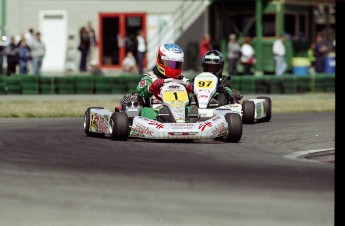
(170, 59)
(213, 61)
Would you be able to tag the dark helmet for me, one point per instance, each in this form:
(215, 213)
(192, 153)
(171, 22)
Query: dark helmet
(213, 61)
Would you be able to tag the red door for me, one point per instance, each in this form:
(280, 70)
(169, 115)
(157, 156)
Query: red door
(116, 33)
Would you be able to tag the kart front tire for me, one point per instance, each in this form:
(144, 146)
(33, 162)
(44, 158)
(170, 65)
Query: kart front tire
(248, 115)
(235, 127)
(119, 123)
(87, 123)
(268, 109)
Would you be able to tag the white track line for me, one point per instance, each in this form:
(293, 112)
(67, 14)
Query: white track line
(300, 155)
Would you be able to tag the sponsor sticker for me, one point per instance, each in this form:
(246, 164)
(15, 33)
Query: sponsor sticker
(142, 83)
(258, 110)
(202, 126)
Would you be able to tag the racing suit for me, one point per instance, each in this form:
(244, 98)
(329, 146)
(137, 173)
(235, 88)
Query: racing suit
(232, 95)
(145, 94)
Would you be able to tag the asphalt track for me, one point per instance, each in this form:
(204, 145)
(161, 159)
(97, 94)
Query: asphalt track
(52, 174)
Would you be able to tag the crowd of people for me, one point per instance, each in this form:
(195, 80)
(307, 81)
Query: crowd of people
(24, 55)
(136, 48)
(245, 54)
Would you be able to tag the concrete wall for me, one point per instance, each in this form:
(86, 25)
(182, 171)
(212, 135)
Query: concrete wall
(23, 14)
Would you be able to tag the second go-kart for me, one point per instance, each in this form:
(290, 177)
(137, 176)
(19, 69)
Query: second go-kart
(251, 110)
(175, 120)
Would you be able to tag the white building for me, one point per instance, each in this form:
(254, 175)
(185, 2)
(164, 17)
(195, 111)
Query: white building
(59, 21)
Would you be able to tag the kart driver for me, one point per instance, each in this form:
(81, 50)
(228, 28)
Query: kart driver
(169, 63)
(213, 61)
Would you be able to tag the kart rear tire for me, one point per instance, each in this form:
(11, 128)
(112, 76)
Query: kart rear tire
(235, 127)
(119, 124)
(268, 109)
(87, 123)
(248, 108)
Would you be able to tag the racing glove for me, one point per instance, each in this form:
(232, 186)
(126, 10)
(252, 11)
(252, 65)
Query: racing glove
(155, 88)
(236, 95)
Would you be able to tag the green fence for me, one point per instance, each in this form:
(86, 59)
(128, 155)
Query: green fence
(78, 84)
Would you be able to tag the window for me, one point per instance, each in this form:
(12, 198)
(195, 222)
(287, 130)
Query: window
(268, 23)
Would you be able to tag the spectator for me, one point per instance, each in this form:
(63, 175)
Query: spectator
(30, 37)
(141, 50)
(84, 47)
(205, 45)
(38, 52)
(2, 54)
(247, 56)
(279, 55)
(128, 63)
(93, 43)
(311, 57)
(320, 51)
(131, 44)
(24, 57)
(234, 51)
(12, 56)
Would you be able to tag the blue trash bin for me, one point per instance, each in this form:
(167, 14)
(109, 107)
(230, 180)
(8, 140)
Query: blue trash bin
(329, 64)
(300, 71)
(300, 66)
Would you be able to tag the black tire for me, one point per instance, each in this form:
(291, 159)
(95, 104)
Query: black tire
(119, 123)
(87, 123)
(268, 109)
(248, 112)
(235, 127)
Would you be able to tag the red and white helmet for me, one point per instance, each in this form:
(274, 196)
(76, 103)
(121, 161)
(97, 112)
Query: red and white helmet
(170, 58)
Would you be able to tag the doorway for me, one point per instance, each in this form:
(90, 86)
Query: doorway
(53, 26)
(118, 36)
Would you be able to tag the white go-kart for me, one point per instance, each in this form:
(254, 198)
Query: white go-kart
(174, 121)
(251, 110)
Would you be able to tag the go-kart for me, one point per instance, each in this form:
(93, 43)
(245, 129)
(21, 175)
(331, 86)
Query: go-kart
(251, 110)
(173, 120)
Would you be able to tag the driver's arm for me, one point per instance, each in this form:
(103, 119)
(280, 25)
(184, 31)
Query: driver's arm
(143, 87)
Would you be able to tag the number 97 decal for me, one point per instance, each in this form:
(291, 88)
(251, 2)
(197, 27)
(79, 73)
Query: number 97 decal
(170, 96)
(205, 84)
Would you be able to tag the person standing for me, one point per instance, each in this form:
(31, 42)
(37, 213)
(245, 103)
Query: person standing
(247, 56)
(2, 54)
(234, 51)
(38, 51)
(279, 55)
(12, 56)
(24, 57)
(141, 50)
(205, 45)
(320, 51)
(30, 37)
(84, 47)
(93, 43)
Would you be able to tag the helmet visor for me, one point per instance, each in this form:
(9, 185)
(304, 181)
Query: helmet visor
(213, 68)
(170, 63)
